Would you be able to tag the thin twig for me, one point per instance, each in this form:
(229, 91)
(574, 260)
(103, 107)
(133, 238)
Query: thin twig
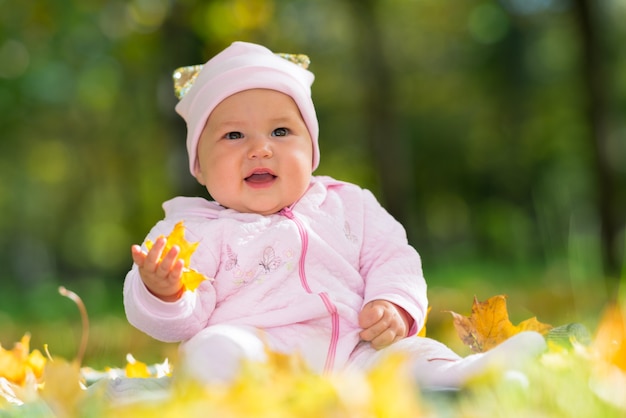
(85, 320)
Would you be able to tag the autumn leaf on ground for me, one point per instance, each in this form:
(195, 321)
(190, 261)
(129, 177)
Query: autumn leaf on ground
(489, 325)
(62, 389)
(609, 344)
(392, 398)
(608, 355)
(21, 373)
(17, 363)
(284, 386)
(191, 278)
(135, 368)
(138, 369)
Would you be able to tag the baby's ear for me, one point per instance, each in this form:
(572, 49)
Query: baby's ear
(198, 175)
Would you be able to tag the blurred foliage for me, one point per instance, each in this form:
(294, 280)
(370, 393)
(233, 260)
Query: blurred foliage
(482, 106)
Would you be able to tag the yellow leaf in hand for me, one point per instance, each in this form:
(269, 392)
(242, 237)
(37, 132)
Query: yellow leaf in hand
(191, 278)
(489, 325)
(177, 237)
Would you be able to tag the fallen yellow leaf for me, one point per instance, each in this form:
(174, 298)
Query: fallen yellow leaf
(15, 364)
(135, 368)
(489, 325)
(62, 389)
(391, 399)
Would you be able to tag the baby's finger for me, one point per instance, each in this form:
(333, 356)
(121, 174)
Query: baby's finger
(385, 339)
(138, 255)
(370, 315)
(374, 331)
(177, 270)
(169, 260)
(152, 259)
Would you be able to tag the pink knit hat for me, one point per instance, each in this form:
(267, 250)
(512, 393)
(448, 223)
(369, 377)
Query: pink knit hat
(241, 66)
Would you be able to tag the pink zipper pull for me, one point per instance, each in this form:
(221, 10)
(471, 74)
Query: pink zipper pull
(287, 212)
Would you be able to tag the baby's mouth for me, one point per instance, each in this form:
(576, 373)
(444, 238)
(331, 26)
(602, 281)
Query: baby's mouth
(261, 177)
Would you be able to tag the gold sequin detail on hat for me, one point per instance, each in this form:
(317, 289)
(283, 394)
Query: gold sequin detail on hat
(300, 60)
(184, 77)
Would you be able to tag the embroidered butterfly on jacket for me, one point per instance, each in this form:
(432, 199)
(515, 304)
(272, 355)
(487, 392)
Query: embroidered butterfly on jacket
(232, 259)
(348, 233)
(269, 261)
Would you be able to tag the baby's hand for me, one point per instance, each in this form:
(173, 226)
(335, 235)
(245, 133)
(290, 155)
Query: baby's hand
(162, 278)
(383, 323)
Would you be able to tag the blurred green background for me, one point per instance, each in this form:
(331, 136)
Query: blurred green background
(495, 131)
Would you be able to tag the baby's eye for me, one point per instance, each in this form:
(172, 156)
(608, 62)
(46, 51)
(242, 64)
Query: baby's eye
(233, 135)
(280, 132)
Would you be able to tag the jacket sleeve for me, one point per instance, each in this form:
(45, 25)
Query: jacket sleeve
(167, 321)
(391, 268)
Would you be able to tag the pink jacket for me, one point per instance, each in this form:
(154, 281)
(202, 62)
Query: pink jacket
(301, 275)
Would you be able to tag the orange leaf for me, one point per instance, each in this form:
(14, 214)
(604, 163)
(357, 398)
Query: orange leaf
(489, 325)
(610, 341)
(191, 278)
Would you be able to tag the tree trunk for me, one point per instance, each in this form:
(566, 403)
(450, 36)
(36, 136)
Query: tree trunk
(389, 148)
(596, 90)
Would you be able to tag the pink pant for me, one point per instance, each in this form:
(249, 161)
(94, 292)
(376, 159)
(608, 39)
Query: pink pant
(215, 355)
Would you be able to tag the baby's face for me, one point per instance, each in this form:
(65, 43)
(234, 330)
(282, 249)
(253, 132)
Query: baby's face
(255, 152)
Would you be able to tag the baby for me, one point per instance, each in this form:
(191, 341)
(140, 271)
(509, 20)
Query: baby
(302, 264)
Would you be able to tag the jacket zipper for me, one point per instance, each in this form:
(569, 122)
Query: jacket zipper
(330, 306)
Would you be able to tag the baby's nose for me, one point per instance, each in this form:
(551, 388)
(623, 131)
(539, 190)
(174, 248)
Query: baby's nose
(260, 147)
